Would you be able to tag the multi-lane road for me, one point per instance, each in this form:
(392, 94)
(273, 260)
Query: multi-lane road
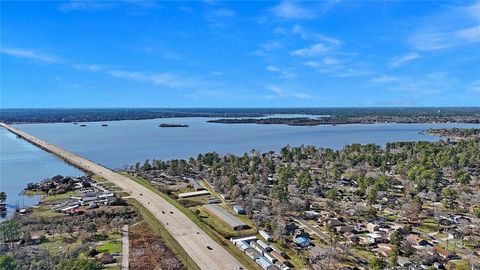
(184, 230)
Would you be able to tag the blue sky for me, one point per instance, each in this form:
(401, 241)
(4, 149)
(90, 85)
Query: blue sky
(240, 54)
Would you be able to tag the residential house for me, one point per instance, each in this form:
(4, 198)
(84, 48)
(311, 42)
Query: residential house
(416, 240)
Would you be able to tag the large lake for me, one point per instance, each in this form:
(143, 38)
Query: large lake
(22, 163)
(126, 142)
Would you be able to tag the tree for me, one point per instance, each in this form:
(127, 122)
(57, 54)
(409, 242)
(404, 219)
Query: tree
(3, 197)
(304, 181)
(396, 239)
(450, 197)
(79, 264)
(91, 228)
(376, 263)
(7, 263)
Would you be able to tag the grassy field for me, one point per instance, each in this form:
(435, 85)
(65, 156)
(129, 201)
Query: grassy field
(225, 243)
(43, 211)
(59, 197)
(160, 230)
(110, 247)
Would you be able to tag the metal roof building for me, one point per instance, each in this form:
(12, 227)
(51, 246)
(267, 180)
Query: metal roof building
(225, 216)
(193, 194)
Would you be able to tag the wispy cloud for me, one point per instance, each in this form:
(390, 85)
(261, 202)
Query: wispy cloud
(291, 10)
(271, 45)
(166, 79)
(306, 34)
(93, 5)
(384, 79)
(29, 54)
(280, 92)
(312, 50)
(283, 74)
(218, 18)
(402, 60)
(81, 5)
(471, 34)
(424, 84)
(443, 30)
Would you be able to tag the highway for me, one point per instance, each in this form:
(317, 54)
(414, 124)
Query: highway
(184, 230)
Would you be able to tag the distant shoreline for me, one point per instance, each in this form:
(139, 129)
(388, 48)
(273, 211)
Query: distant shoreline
(338, 116)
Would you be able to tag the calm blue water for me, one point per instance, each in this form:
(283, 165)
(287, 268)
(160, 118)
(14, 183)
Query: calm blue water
(126, 142)
(22, 163)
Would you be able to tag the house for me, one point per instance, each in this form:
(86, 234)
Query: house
(416, 240)
(385, 249)
(238, 209)
(344, 228)
(225, 216)
(264, 245)
(213, 200)
(252, 253)
(278, 257)
(403, 261)
(372, 227)
(445, 254)
(105, 258)
(373, 238)
(291, 227)
(302, 241)
(333, 222)
(454, 234)
(265, 235)
(311, 214)
(263, 262)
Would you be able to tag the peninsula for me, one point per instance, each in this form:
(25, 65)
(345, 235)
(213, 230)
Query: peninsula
(203, 250)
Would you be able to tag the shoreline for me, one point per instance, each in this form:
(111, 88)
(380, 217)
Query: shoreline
(192, 238)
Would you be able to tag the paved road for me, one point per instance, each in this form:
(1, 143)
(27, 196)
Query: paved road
(184, 230)
(125, 248)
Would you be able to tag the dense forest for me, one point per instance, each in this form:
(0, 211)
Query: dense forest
(435, 171)
(404, 115)
(456, 132)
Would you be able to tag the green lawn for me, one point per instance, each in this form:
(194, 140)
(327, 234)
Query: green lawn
(59, 197)
(232, 249)
(54, 245)
(46, 212)
(111, 247)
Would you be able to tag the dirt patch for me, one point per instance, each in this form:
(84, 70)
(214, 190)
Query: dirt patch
(149, 252)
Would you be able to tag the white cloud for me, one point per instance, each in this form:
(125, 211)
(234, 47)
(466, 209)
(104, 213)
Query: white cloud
(80, 5)
(384, 79)
(168, 79)
(279, 92)
(470, 34)
(312, 50)
(450, 28)
(291, 10)
(309, 35)
(330, 61)
(284, 74)
(402, 60)
(312, 64)
(424, 84)
(224, 12)
(29, 54)
(272, 45)
(475, 86)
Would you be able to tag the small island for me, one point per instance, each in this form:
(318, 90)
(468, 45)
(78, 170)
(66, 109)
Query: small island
(165, 125)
